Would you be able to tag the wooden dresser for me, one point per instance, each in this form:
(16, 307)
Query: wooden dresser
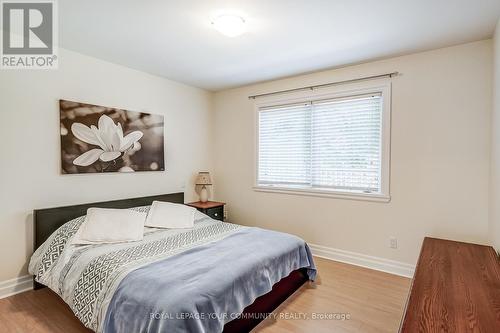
(456, 288)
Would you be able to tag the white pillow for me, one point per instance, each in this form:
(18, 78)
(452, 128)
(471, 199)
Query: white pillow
(107, 225)
(170, 215)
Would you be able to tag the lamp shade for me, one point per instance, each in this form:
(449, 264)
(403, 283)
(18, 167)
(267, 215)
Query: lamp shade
(203, 178)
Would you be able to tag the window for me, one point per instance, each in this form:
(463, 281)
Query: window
(326, 145)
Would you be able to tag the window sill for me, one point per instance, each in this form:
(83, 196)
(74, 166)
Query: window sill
(324, 193)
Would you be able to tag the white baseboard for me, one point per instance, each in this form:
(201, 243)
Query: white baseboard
(16, 286)
(363, 260)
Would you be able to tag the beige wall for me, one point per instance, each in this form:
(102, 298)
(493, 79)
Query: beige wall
(30, 155)
(495, 147)
(441, 107)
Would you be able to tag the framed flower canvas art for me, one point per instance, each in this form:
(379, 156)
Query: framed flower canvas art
(97, 139)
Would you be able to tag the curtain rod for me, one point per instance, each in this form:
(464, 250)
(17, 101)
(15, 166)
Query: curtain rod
(324, 85)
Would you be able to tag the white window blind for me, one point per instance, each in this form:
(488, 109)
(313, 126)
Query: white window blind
(285, 145)
(324, 144)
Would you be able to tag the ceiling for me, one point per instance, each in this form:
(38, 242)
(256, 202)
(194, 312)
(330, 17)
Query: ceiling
(175, 40)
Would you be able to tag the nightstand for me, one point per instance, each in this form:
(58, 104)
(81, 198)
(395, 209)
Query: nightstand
(213, 209)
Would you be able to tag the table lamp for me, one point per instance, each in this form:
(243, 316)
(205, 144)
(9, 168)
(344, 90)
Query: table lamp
(204, 180)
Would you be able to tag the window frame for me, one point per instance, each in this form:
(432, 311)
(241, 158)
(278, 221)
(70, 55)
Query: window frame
(382, 86)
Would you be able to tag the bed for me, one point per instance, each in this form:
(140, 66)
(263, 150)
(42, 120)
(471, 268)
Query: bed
(213, 277)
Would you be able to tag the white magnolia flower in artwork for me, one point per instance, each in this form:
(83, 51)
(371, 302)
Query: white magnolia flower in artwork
(108, 136)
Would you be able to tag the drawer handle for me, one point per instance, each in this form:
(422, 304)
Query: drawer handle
(216, 214)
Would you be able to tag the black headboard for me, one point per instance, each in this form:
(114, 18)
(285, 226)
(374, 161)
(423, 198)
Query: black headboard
(46, 221)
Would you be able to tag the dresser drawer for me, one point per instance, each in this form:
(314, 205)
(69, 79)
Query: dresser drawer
(217, 213)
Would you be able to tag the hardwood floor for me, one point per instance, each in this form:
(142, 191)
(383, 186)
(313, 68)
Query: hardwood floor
(374, 302)
(40, 311)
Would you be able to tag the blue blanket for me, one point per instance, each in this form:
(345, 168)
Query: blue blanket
(203, 288)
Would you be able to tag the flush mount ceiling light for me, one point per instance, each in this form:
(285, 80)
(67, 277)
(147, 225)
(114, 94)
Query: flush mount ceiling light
(229, 25)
